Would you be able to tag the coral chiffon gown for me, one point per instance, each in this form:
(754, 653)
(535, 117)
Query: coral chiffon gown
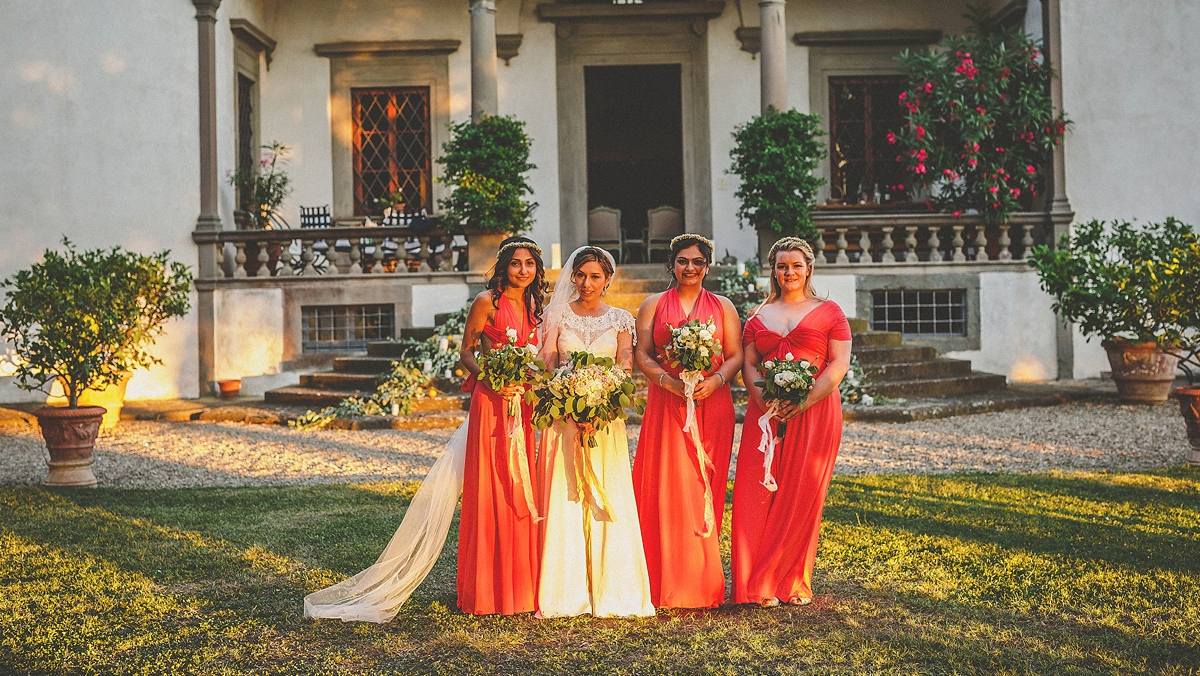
(774, 543)
(497, 535)
(684, 565)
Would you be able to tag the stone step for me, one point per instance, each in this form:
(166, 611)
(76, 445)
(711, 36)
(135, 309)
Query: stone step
(416, 332)
(899, 353)
(941, 387)
(626, 301)
(646, 286)
(386, 349)
(877, 339)
(373, 365)
(858, 325)
(320, 398)
(913, 370)
(361, 383)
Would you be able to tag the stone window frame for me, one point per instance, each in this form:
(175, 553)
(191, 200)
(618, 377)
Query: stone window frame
(865, 285)
(246, 63)
(414, 63)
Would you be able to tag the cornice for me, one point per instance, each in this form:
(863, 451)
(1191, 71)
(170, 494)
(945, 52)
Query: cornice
(387, 48)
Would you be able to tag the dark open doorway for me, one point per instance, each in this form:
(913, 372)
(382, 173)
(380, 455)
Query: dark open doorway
(634, 141)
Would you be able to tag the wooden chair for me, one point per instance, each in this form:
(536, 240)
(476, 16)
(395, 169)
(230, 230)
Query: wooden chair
(663, 224)
(604, 230)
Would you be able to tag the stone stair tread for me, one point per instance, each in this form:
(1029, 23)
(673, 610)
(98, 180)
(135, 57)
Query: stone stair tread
(894, 353)
(974, 382)
(918, 369)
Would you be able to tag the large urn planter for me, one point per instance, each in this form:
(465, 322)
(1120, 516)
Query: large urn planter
(111, 399)
(70, 435)
(1189, 407)
(1143, 373)
(482, 248)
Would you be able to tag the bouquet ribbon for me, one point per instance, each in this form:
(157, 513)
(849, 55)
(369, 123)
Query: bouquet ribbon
(690, 380)
(587, 484)
(767, 444)
(518, 462)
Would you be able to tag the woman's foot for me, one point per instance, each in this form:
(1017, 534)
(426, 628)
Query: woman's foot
(769, 603)
(799, 601)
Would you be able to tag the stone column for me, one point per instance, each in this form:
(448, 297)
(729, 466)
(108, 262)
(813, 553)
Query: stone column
(773, 55)
(209, 219)
(483, 59)
(1060, 206)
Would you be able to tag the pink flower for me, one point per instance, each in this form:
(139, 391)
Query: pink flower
(981, 111)
(903, 95)
(1015, 192)
(950, 173)
(920, 169)
(899, 186)
(999, 149)
(920, 131)
(972, 162)
(957, 213)
(1030, 169)
(891, 138)
(928, 87)
(921, 155)
(975, 147)
(993, 190)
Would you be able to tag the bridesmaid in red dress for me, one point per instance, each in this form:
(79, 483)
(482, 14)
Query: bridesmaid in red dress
(497, 536)
(674, 491)
(775, 533)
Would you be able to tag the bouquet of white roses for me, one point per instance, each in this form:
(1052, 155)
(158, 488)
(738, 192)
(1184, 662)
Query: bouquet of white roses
(589, 390)
(694, 346)
(785, 381)
(511, 364)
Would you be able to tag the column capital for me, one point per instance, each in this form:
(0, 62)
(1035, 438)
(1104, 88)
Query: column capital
(206, 10)
(769, 3)
(483, 5)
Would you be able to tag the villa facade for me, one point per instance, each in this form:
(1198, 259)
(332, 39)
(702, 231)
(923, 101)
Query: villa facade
(122, 122)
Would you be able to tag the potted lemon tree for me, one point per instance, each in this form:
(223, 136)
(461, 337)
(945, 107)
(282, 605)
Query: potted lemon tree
(85, 319)
(1134, 286)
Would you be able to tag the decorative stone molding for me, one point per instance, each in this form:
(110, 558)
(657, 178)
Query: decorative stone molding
(206, 10)
(254, 37)
(564, 15)
(750, 37)
(507, 46)
(860, 38)
(387, 48)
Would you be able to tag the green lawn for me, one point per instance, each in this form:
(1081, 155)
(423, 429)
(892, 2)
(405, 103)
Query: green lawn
(971, 574)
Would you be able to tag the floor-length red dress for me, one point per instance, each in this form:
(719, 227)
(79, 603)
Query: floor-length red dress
(684, 566)
(774, 541)
(497, 536)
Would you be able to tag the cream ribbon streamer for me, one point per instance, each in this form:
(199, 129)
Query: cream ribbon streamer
(766, 445)
(588, 486)
(518, 461)
(690, 380)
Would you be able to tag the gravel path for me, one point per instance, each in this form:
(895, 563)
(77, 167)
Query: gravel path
(176, 455)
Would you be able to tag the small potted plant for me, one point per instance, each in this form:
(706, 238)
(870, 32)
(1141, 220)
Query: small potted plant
(487, 163)
(775, 155)
(1189, 401)
(86, 319)
(1135, 287)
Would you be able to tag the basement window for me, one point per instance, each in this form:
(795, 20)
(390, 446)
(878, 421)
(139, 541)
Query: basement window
(345, 328)
(940, 312)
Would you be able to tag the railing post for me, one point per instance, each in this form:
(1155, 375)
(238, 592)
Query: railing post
(239, 260)
(355, 257)
(935, 245)
(888, 245)
(981, 243)
(1005, 243)
(910, 244)
(958, 243)
(1027, 242)
(264, 257)
(307, 255)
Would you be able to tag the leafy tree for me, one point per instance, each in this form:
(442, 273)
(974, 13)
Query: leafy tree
(486, 162)
(775, 155)
(87, 317)
(980, 124)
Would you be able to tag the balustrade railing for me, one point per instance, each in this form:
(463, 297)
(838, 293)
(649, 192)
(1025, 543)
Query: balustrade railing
(929, 238)
(329, 251)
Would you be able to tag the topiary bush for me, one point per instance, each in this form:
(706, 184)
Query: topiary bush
(487, 163)
(775, 155)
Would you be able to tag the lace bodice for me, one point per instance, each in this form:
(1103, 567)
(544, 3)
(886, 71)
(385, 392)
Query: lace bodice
(596, 335)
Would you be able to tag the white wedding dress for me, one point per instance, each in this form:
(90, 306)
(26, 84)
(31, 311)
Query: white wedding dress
(592, 562)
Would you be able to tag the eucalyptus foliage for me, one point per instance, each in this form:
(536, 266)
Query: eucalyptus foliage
(87, 317)
(1125, 281)
(487, 163)
(775, 155)
(980, 125)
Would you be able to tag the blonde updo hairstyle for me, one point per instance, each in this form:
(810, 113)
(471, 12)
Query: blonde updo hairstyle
(792, 244)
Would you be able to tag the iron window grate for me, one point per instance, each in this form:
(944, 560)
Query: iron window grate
(391, 147)
(345, 328)
(862, 111)
(941, 312)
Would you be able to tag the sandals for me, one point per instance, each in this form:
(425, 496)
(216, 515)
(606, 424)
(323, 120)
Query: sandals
(799, 601)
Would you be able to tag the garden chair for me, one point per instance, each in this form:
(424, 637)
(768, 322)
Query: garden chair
(663, 224)
(604, 230)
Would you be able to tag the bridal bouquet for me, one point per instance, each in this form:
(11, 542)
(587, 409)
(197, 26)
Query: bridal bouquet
(785, 381)
(589, 390)
(511, 364)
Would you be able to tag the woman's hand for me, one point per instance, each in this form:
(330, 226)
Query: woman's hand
(788, 411)
(706, 387)
(510, 391)
(672, 384)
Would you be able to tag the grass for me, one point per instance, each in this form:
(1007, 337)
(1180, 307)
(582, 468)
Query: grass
(1061, 573)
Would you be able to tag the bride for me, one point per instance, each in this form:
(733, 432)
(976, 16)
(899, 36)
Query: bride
(592, 557)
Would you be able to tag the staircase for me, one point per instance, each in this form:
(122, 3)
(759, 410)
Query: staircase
(915, 371)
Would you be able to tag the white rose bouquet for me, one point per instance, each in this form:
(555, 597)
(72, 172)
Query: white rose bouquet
(512, 364)
(785, 381)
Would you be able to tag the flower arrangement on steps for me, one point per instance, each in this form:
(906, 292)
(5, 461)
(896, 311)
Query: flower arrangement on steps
(86, 319)
(395, 395)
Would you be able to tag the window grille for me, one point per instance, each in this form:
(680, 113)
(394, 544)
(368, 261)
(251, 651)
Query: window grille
(391, 147)
(247, 158)
(345, 328)
(862, 111)
(940, 312)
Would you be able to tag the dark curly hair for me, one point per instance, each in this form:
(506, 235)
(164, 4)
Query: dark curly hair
(535, 293)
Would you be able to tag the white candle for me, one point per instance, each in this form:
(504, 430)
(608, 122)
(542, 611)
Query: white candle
(443, 344)
(428, 365)
(555, 256)
(741, 268)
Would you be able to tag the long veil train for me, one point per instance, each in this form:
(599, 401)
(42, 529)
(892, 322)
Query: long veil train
(376, 594)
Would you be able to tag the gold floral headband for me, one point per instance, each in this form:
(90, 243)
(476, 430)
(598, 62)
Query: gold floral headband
(520, 245)
(688, 235)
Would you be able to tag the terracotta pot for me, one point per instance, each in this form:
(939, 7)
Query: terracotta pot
(482, 248)
(1189, 407)
(70, 435)
(111, 399)
(1143, 373)
(229, 389)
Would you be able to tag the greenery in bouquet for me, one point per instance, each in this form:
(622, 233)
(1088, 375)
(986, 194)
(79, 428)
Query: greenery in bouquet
(787, 380)
(588, 390)
(396, 394)
(980, 127)
(694, 346)
(510, 364)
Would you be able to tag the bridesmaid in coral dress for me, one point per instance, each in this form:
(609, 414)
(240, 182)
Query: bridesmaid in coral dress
(680, 498)
(497, 535)
(774, 542)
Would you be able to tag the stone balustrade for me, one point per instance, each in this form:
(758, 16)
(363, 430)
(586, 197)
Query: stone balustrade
(328, 252)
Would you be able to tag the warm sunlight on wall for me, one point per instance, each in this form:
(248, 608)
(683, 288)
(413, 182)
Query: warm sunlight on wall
(1027, 369)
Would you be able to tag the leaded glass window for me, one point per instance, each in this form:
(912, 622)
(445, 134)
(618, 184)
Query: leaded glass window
(862, 111)
(391, 147)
